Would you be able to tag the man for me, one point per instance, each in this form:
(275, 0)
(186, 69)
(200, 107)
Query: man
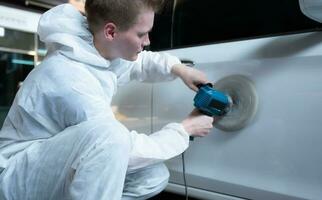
(61, 140)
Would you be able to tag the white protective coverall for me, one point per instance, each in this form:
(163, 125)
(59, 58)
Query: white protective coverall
(60, 139)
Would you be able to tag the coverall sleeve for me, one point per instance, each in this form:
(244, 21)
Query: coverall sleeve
(153, 67)
(162, 145)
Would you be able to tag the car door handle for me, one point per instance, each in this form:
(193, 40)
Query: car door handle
(189, 63)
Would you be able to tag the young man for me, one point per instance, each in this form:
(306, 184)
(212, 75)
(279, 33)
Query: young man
(60, 139)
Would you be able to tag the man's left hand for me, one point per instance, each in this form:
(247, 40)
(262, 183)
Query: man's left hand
(190, 76)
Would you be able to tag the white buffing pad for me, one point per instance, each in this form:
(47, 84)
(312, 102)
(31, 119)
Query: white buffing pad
(245, 102)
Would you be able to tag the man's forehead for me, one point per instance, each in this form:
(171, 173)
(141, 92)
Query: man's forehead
(144, 21)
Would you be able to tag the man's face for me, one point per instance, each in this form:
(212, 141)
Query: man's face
(131, 42)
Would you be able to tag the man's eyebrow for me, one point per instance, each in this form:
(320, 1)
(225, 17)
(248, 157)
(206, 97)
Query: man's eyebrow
(147, 31)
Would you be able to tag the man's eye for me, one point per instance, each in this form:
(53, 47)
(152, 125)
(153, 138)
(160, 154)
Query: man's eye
(141, 35)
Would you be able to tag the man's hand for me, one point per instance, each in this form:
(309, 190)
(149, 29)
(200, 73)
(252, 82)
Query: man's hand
(197, 124)
(190, 76)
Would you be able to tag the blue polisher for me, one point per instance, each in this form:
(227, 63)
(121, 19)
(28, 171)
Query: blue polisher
(232, 99)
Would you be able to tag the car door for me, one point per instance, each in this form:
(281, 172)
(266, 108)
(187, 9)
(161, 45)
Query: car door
(132, 106)
(271, 43)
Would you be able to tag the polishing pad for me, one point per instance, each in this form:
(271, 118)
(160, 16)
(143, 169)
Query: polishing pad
(244, 102)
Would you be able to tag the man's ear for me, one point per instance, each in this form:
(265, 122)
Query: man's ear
(109, 30)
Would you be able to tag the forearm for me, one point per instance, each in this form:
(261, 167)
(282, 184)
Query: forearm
(178, 69)
(189, 75)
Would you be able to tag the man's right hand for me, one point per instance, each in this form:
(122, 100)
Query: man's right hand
(198, 124)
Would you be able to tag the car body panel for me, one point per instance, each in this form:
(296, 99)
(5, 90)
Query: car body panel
(278, 155)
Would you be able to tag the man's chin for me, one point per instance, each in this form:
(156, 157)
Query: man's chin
(133, 58)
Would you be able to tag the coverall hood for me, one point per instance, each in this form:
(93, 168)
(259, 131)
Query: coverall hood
(65, 29)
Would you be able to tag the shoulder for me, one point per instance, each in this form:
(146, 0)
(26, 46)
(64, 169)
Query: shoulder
(59, 77)
(59, 72)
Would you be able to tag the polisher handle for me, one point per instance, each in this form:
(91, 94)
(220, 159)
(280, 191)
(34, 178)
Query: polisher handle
(202, 85)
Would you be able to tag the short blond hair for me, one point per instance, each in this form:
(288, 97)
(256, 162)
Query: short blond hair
(121, 12)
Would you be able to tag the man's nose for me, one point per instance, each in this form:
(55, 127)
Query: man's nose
(146, 41)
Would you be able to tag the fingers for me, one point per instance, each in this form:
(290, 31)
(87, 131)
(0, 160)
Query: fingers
(190, 76)
(201, 77)
(197, 124)
(194, 87)
(206, 125)
(203, 132)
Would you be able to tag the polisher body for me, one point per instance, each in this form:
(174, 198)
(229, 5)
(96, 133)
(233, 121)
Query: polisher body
(212, 102)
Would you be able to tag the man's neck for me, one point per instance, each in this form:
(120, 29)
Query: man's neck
(103, 48)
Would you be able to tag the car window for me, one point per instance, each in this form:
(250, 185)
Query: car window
(160, 35)
(14, 67)
(13, 39)
(211, 21)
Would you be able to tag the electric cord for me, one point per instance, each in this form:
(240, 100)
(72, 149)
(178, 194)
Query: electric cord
(184, 177)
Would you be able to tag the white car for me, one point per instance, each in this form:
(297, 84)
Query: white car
(277, 154)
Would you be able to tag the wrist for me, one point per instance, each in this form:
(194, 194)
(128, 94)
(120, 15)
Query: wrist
(186, 127)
